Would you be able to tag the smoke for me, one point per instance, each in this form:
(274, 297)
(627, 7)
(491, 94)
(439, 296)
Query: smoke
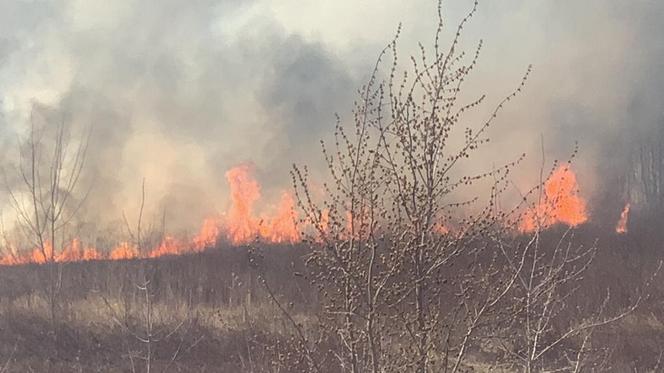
(178, 92)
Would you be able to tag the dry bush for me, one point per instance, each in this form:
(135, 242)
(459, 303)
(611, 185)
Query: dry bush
(386, 241)
(410, 278)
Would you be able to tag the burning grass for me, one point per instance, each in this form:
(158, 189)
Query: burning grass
(239, 225)
(560, 203)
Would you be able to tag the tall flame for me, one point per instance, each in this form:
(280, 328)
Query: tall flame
(42, 254)
(282, 227)
(241, 226)
(561, 203)
(208, 234)
(621, 227)
(237, 226)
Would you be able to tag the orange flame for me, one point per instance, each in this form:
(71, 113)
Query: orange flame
(12, 257)
(124, 250)
(168, 246)
(282, 228)
(207, 236)
(241, 226)
(11, 260)
(91, 253)
(238, 226)
(43, 255)
(561, 203)
(71, 252)
(621, 227)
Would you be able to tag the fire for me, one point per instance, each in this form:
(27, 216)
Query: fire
(241, 225)
(208, 234)
(71, 252)
(561, 203)
(10, 260)
(282, 228)
(238, 225)
(168, 246)
(42, 255)
(91, 254)
(124, 250)
(12, 257)
(74, 252)
(621, 227)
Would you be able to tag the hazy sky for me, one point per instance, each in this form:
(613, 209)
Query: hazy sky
(179, 91)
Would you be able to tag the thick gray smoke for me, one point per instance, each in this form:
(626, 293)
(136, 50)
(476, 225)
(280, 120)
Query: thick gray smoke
(179, 91)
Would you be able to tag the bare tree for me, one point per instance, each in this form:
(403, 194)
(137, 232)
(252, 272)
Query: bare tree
(644, 180)
(386, 247)
(47, 196)
(148, 332)
(548, 328)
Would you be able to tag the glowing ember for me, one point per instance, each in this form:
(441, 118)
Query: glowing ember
(561, 203)
(621, 227)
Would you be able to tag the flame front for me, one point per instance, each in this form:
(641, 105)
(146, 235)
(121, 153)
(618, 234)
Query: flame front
(238, 226)
(282, 227)
(561, 203)
(208, 234)
(124, 250)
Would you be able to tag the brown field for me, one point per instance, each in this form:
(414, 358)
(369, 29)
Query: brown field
(211, 314)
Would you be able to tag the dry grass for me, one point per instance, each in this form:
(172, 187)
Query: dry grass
(90, 336)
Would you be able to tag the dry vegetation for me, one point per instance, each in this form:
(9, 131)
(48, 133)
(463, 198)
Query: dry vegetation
(395, 273)
(220, 317)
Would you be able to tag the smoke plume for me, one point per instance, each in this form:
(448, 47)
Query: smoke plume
(179, 92)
